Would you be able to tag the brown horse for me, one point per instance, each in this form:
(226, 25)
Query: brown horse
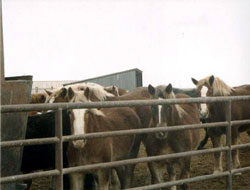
(173, 141)
(239, 110)
(37, 98)
(143, 112)
(82, 152)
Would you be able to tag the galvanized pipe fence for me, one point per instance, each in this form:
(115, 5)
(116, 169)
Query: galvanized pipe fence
(59, 171)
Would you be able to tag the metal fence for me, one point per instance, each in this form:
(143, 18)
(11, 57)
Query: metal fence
(59, 171)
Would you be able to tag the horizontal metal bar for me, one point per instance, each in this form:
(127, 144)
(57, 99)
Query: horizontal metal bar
(240, 170)
(139, 160)
(239, 146)
(179, 182)
(108, 104)
(28, 176)
(142, 131)
(240, 122)
(29, 142)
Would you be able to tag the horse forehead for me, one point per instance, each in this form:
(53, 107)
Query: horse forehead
(204, 91)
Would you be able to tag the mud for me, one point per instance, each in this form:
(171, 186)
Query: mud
(201, 165)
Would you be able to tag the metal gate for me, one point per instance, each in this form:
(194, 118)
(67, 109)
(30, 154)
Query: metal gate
(59, 171)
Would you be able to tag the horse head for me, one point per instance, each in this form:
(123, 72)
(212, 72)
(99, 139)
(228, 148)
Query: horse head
(80, 118)
(57, 95)
(204, 88)
(158, 112)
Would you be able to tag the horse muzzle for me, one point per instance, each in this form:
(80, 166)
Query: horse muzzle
(79, 143)
(161, 135)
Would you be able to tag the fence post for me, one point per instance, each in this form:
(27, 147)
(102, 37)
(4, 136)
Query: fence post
(228, 143)
(59, 149)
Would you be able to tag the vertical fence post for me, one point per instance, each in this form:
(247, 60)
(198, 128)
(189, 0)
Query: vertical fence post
(59, 149)
(228, 143)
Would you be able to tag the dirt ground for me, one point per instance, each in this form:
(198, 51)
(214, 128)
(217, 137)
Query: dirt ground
(201, 165)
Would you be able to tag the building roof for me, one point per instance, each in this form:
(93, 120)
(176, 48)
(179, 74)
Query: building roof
(103, 76)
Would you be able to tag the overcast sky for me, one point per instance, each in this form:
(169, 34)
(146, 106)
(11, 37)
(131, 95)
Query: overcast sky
(169, 40)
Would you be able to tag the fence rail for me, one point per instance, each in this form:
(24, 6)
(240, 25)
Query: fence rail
(59, 171)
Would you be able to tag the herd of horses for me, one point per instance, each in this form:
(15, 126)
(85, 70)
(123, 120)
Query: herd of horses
(91, 151)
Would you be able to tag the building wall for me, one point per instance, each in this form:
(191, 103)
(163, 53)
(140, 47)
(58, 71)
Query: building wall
(127, 79)
(39, 86)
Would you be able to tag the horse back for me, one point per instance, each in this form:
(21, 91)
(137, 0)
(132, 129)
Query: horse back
(240, 109)
(120, 118)
(143, 112)
(140, 93)
(191, 110)
(114, 119)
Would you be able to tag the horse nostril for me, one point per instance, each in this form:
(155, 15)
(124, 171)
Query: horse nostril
(161, 135)
(79, 143)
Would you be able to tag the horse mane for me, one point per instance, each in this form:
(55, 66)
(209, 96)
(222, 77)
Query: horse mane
(96, 112)
(80, 97)
(98, 90)
(180, 111)
(219, 86)
(83, 86)
(100, 93)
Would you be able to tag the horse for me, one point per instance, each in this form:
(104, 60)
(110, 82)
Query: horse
(110, 89)
(172, 141)
(37, 98)
(192, 92)
(97, 92)
(82, 152)
(240, 110)
(41, 157)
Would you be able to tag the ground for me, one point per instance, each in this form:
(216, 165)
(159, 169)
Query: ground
(201, 165)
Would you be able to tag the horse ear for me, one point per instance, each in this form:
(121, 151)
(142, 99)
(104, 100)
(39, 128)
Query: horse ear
(63, 92)
(151, 89)
(194, 81)
(169, 88)
(211, 80)
(48, 92)
(70, 93)
(115, 89)
(87, 93)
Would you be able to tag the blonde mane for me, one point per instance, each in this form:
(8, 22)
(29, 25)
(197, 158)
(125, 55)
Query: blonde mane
(98, 90)
(181, 112)
(100, 93)
(83, 86)
(220, 88)
(96, 112)
(80, 97)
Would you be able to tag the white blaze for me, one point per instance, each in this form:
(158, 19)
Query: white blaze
(159, 111)
(78, 122)
(203, 107)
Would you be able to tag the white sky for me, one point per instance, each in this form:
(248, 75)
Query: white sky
(169, 40)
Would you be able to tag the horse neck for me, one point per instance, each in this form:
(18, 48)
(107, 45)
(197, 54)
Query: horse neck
(94, 120)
